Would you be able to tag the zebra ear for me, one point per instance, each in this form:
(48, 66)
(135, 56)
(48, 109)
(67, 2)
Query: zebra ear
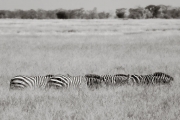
(50, 75)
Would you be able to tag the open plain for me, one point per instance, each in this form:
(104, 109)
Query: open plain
(78, 47)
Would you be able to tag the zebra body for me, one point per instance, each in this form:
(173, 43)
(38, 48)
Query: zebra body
(156, 78)
(118, 79)
(65, 81)
(142, 79)
(163, 78)
(93, 80)
(22, 82)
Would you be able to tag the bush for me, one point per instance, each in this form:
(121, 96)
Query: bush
(120, 13)
(62, 15)
(2, 14)
(103, 15)
(75, 14)
(134, 16)
(151, 11)
(136, 13)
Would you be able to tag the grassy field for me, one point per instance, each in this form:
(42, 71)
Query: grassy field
(78, 47)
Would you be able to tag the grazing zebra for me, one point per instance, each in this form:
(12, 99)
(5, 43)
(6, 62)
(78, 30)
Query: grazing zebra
(32, 82)
(156, 78)
(163, 78)
(93, 80)
(142, 79)
(65, 81)
(122, 79)
(118, 79)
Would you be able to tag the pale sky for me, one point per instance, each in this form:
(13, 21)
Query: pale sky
(101, 5)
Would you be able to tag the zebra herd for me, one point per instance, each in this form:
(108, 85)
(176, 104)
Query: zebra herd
(91, 80)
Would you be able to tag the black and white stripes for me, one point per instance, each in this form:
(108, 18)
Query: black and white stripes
(163, 78)
(22, 82)
(151, 79)
(113, 80)
(141, 79)
(65, 81)
(91, 80)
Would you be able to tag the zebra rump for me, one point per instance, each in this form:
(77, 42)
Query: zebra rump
(58, 81)
(22, 82)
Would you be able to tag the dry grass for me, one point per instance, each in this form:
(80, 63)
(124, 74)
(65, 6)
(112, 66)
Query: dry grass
(77, 47)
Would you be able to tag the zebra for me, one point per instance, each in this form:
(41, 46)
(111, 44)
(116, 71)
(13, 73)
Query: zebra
(163, 78)
(156, 78)
(32, 82)
(141, 79)
(65, 81)
(122, 79)
(113, 80)
(93, 80)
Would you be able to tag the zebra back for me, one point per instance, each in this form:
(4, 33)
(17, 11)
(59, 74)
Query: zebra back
(108, 79)
(93, 76)
(65, 81)
(118, 79)
(58, 81)
(138, 79)
(77, 81)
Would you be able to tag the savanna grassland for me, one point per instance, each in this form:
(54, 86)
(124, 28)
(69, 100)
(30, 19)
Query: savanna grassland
(78, 47)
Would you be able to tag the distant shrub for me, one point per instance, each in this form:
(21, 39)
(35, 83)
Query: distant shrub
(150, 11)
(135, 16)
(103, 15)
(153, 9)
(2, 14)
(41, 14)
(31, 14)
(135, 13)
(75, 14)
(120, 13)
(62, 15)
(91, 14)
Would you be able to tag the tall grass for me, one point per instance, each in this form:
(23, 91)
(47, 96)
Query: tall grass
(101, 47)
